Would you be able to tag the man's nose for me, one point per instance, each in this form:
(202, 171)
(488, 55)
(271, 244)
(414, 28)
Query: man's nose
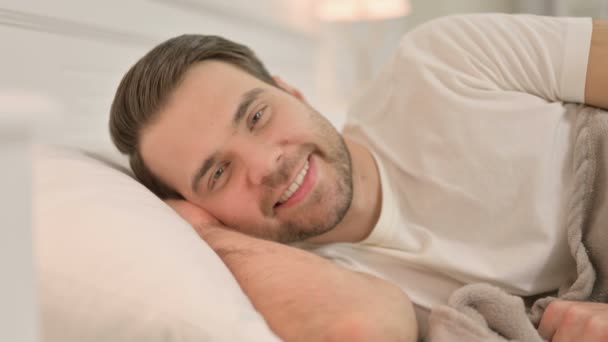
(262, 162)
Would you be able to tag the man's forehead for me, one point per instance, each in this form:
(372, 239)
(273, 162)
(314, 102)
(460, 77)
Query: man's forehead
(210, 87)
(217, 74)
(208, 91)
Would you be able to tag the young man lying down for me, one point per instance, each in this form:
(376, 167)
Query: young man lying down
(451, 169)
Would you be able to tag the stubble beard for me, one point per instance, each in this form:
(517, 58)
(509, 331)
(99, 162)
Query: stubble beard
(329, 202)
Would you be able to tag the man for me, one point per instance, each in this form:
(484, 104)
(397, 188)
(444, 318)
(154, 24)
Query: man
(451, 169)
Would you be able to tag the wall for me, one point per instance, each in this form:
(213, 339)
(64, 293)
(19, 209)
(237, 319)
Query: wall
(352, 53)
(67, 56)
(590, 8)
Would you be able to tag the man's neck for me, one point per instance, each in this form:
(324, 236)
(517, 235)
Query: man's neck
(364, 210)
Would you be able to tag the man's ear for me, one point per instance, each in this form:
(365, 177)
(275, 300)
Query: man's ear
(292, 90)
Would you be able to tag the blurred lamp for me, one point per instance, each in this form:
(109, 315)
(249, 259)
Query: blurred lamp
(361, 10)
(361, 27)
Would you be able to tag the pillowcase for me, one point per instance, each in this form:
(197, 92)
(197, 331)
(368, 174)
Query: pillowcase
(115, 263)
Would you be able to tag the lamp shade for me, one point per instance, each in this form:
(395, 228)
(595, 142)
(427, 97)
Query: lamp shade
(359, 10)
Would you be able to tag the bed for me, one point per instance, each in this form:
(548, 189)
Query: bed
(115, 263)
(88, 253)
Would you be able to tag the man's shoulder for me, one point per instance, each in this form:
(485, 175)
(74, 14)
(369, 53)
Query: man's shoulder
(450, 23)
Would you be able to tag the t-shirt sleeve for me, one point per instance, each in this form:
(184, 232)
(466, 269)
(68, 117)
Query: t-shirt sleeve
(542, 56)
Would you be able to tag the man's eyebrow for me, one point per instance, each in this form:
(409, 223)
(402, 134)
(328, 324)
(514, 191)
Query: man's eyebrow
(200, 173)
(246, 100)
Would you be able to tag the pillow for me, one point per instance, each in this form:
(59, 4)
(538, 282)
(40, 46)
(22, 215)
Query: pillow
(117, 264)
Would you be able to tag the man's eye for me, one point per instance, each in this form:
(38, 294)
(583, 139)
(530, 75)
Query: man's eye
(256, 117)
(217, 175)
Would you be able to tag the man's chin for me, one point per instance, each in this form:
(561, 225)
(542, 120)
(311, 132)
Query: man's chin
(292, 234)
(319, 239)
(320, 230)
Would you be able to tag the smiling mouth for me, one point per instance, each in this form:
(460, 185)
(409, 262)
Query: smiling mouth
(295, 186)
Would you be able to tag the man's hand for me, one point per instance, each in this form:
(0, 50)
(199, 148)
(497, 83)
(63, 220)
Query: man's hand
(574, 321)
(198, 217)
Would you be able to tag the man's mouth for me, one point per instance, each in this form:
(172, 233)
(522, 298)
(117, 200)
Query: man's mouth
(301, 184)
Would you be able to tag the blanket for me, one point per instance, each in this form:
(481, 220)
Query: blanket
(482, 312)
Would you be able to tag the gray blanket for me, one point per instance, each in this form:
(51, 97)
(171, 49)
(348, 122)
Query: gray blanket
(481, 312)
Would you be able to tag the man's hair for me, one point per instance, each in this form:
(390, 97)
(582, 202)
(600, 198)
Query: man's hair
(147, 86)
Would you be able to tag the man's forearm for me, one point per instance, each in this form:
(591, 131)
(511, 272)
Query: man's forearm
(306, 298)
(596, 87)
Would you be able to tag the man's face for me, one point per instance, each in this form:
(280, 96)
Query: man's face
(258, 158)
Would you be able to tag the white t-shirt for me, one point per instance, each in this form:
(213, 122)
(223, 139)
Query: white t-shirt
(470, 135)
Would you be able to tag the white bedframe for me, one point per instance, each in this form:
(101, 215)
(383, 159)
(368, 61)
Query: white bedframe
(19, 311)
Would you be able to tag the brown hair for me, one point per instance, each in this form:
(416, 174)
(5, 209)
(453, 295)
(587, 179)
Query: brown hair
(147, 86)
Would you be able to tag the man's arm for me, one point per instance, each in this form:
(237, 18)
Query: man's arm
(596, 86)
(304, 297)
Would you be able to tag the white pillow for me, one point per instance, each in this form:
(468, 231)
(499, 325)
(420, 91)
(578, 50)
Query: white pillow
(117, 264)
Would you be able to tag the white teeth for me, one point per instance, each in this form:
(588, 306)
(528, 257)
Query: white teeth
(295, 185)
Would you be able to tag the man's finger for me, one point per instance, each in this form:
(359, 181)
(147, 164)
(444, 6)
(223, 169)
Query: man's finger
(553, 316)
(195, 215)
(573, 324)
(596, 328)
